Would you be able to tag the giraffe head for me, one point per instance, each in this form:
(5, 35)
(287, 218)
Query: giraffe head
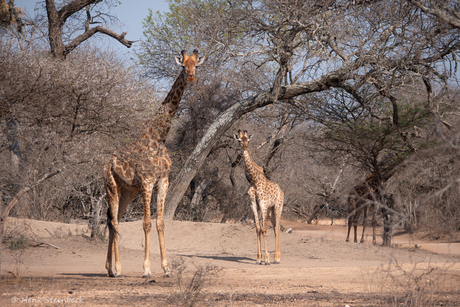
(190, 63)
(243, 138)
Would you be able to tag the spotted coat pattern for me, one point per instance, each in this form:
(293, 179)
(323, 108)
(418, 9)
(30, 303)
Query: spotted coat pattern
(143, 166)
(266, 198)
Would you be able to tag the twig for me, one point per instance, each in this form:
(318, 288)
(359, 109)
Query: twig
(49, 244)
(49, 232)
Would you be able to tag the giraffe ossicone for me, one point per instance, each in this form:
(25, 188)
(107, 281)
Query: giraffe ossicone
(143, 166)
(266, 198)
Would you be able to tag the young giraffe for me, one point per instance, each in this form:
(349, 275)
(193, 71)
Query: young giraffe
(266, 197)
(359, 201)
(142, 166)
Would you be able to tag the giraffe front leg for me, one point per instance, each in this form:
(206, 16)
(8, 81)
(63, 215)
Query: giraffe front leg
(355, 228)
(364, 224)
(147, 225)
(252, 196)
(350, 223)
(162, 188)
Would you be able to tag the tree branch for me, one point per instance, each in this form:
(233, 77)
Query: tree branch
(437, 11)
(71, 8)
(81, 38)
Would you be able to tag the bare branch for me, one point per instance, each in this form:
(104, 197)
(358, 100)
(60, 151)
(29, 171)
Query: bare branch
(81, 38)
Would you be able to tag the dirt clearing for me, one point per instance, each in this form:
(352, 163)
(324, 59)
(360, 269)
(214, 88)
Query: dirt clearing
(214, 265)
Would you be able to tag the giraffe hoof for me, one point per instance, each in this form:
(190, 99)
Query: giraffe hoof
(169, 275)
(267, 263)
(277, 262)
(148, 275)
(117, 275)
(111, 274)
(259, 263)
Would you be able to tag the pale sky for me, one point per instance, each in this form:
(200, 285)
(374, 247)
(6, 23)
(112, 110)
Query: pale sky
(130, 12)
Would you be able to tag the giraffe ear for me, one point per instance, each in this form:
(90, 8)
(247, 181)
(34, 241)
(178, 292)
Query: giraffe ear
(236, 137)
(200, 60)
(249, 137)
(178, 60)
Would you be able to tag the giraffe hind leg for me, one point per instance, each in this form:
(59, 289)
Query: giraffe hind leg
(108, 264)
(112, 192)
(118, 203)
(275, 219)
(162, 188)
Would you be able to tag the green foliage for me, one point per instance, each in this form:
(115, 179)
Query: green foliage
(19, 243)
(369, 134)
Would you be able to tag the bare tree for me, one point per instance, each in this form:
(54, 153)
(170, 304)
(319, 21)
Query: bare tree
(71, 111)
(57, 18)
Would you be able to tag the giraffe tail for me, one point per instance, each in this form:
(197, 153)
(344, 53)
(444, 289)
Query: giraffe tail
(109, 222)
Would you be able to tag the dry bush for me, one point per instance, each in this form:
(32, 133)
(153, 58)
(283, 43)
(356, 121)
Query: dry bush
(427, 173)
(414, 285)
(70, 113)
(190, 288)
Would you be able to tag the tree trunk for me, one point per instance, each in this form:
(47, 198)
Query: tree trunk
(55, 31)
(198, 192)
(15, 152)
(95, 221)
(2, 227)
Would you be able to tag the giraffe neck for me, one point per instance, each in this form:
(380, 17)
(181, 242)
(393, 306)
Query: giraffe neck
(158, 127)
(256, 173)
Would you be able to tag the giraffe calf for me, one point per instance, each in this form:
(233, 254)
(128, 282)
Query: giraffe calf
(266, 198)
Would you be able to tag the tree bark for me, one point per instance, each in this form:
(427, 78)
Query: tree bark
(15, 152)
(95, 221)
(226, 120)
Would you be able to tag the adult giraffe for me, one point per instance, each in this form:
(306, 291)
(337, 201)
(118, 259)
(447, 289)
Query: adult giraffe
(266, 196)
(361, 198)
(143, 166)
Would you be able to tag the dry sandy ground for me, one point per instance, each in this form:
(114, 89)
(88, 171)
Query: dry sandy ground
(214, 265)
